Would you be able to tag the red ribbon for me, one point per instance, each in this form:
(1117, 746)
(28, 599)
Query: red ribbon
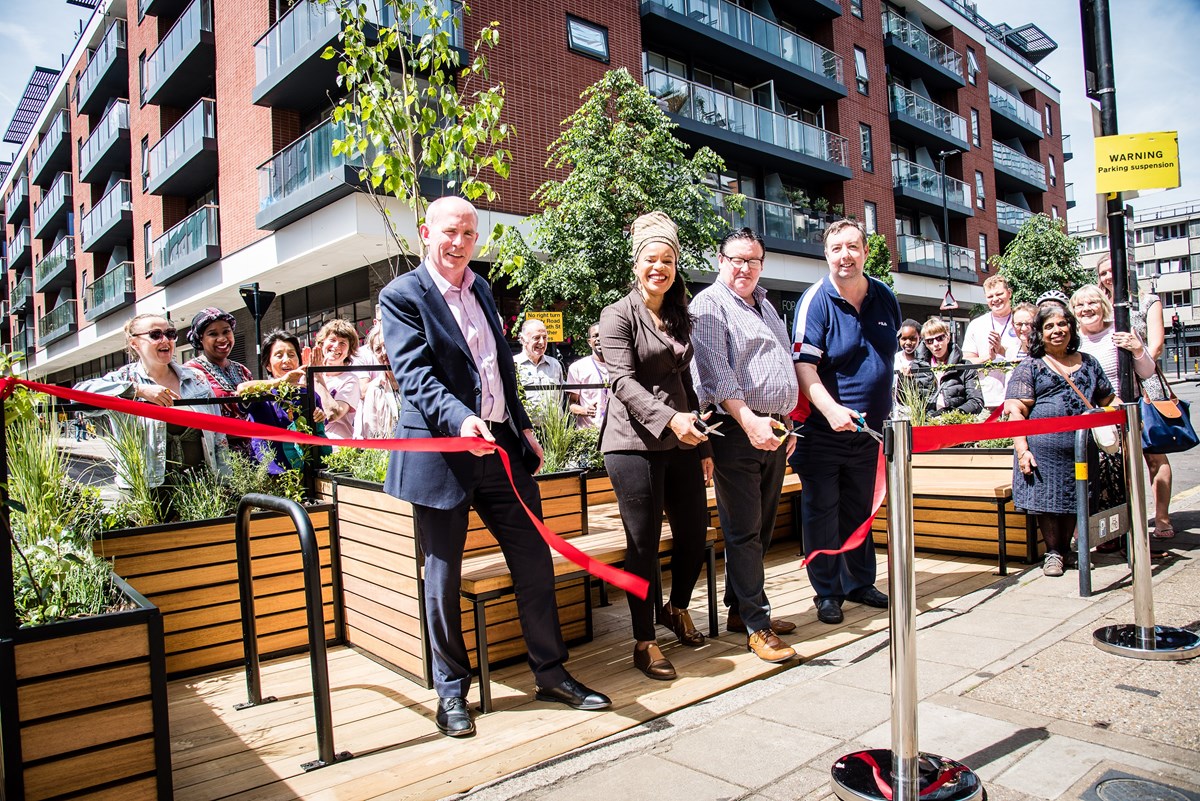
(244, 428)
(885, 789)
(859, 535)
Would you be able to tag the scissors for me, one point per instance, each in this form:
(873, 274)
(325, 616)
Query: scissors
(707, 429)
(786, 432)
(862, 427)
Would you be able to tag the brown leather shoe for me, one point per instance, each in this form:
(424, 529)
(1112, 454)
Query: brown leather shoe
(768, 647)
(648, 658)
(735, 623)
(680, 622)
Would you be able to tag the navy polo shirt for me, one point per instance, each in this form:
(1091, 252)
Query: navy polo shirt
(853, 351)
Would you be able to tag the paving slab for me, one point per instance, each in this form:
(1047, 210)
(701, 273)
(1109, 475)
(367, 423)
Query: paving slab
(826, 708)
(642, 777)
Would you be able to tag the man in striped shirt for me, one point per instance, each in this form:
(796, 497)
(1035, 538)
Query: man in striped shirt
(743, 370)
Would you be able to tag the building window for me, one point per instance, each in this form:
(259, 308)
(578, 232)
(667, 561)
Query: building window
(1181, 297)
(145, 161)
(980, 195)
(870, 217)
(860, 70)
(972, 67)
(983, 254)
(587, 38)
(868, 158)
(1053, 172)
(856, 8)
(1054, 212)
(1049, 122)
(142, 77)
(86, 294)
(975, 127)
(147, 245)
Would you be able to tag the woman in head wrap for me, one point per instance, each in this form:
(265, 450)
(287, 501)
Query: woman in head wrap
(651, 440)
(212, 337)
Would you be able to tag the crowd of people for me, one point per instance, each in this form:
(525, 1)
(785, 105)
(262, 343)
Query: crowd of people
(684, 393)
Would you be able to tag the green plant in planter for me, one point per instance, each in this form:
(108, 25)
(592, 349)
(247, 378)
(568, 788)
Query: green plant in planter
(365, 464)
(565, 446)
(203, 495)
(821, 205)
(139, 504)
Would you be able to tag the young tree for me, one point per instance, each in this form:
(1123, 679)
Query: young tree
(623, 161)
(412, 109)
(1041, 257)
(879, 259)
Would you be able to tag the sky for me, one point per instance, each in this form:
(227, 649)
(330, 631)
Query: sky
(1155, 42)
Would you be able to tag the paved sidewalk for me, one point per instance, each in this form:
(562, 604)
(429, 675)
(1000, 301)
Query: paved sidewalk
(1010, 685)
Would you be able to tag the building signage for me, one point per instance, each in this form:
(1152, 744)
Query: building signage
(553, 321)
(1137, 161)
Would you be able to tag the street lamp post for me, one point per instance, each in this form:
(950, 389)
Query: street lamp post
(942, 156)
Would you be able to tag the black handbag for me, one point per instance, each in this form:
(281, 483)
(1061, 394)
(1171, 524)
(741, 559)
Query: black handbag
(1167, 424)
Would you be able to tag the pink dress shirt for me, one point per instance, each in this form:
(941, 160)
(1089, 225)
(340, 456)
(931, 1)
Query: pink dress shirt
(471, 321)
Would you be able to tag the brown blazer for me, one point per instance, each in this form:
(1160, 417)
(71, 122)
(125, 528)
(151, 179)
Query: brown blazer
(649, 382)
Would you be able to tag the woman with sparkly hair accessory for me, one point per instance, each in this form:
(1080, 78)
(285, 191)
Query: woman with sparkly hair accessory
(212, 336)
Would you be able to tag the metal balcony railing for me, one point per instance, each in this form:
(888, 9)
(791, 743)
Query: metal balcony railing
(52, 202)
(59, 127)
(53, 262)
(917, 177)
(910, 104)
(115, 201)
(994, 35)
(779, 220)
(197, 18)
(200, 122)
(300, 164)
(58, 323)
(1013, 107)
(22, 293)
(102, 58)
(1066, 145)
(931, 253)
(1010, 216)
(18, 195)
(110, 288)
(18, 245)
(919, 40)
(115, 120)
(1016, 163)
(700, 103)
(186, 241)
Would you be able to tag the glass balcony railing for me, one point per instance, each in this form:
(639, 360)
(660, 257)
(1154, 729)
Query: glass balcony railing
(18, 195)
(103, 58)
(711, 107)
(1066, 143)
(57, 324)
(1010, 216)
(919, 40)
(910, 104)
(18, 246)
(184, 35)
(1019, 164)
(300, 164)
(779, 220)
(1070, 190)
(760, 33)
(51, 266)
(1013, 107)
(919, 178)
(22, 293)
(107, 131)
(54, 201)
(21, 344)
(110, 290)
(931, 254)
(102, 216)
(200, 122)
(51, 139)
(186, 245)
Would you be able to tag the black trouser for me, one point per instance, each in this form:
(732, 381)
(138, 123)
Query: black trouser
(640, 481)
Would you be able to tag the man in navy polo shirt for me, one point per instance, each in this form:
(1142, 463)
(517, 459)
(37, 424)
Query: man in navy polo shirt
(844, 347)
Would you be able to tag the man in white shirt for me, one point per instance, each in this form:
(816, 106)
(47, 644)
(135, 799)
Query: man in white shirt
(992, 338)
(536, 368)
(588, 405)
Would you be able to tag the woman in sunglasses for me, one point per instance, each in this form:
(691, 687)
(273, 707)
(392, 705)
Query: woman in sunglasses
(946, 388)
(155, 377)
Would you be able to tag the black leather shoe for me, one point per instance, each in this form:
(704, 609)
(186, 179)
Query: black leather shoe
(829, 611)
(869, 596)
(574, 695)
(454, 717)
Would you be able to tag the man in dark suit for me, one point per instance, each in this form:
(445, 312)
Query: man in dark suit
(455, 371)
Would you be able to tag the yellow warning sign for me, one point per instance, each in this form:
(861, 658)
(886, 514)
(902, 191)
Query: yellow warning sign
(1137, 161)
(553, 321)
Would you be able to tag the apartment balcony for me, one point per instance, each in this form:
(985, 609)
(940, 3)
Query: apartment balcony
(921, 55)
(1012, 116)
(1010, 218)
(52, 211)
(762, 49)
(21, 344)
(110, 222)
(107, 148)
(742, 131)
(784, 228)
(106, 74)
(303, 177)
(160, 8)
(19, 253)
(57, 324)
(181, 67)
(817, 10)
(924, 120)
(193, 243)
(54, 151)
(920, 256)
(57, 268)
(1017, 172)
(1066, 144)
(22, 295)
(1070, 190)
(920, 186)
(109, 292)
(16, 205)
(184, 161)
(289, 70)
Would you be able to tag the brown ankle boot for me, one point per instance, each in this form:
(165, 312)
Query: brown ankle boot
(648, 658)
(680, 622)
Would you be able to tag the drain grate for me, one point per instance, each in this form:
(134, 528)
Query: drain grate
(1137, 790)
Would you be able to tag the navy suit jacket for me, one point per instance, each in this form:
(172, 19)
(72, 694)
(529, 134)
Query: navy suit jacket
(440, 387)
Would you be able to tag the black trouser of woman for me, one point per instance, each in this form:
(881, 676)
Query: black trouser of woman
(640, 480)
(1057, 530)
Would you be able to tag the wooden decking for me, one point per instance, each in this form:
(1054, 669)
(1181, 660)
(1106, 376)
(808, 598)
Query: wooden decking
(387, 721)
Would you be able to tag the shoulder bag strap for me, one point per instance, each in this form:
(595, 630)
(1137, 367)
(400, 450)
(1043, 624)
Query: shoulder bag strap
(1067, 378)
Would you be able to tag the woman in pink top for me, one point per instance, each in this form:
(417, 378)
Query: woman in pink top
(340, 392)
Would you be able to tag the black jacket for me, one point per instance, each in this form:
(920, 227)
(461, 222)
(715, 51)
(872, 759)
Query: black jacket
(961, 387)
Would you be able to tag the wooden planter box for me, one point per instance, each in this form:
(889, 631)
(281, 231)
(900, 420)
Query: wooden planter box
(189, 571)
(85, 713)
(380, 567)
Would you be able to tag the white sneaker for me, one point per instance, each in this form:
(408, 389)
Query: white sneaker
(1053, 565)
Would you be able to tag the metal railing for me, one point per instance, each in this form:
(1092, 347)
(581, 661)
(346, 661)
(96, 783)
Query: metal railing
(760, 33)
(62, 316)
(1066, 146)
(706, 105)
(105, 133)
(102, 58)
(58, 194)
(779, 220)
(1070, 192)
(114, 284)
(922, 109)
(49, 142)
(1011, 161)
(299, 164)
(18, 244)
(910, 175)
(53, 261)
(1013, 107)
(996, 37)
(919, 40)
(200, 122)
(22, 292)
(195, 232)
(115, 201)
(931, 253)
(18, 195)
(197, 18)
(1010, 215)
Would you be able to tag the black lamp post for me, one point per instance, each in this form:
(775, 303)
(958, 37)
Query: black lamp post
(942, 156)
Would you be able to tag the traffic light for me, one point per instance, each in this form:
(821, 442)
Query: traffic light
(1176, 328)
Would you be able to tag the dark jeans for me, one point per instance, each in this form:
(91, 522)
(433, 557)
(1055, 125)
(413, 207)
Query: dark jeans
(640, 480)
(748, 483)
(443, 533)
(837, 470)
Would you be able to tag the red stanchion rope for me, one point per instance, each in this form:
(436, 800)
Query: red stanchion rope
(885, 789)
(243, 428)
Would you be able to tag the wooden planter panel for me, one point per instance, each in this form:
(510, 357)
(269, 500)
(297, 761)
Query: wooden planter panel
(961, 527)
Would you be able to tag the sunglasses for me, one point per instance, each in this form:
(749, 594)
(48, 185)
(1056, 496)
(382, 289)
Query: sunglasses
(157, 335)
(935, 339)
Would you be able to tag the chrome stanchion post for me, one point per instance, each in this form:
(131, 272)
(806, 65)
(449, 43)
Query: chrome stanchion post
(1143, 639)
(902, 773)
